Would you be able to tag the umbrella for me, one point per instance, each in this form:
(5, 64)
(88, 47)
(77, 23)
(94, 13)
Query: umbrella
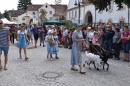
(5, 21)
(53, 22)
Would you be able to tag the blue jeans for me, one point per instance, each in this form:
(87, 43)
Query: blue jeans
(4, 48)
(108, 45)
(126, 47)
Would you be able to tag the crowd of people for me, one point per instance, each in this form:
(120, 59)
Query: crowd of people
(104, 35)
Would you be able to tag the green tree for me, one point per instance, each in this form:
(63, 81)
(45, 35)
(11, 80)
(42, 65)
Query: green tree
(6, 15)
(0, 15)
(103, 4)
(43, 14)
(23, 4)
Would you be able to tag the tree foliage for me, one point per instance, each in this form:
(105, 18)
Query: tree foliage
(103, 4)
(0, 15)
(43, 13)
(23, 4)
(6, 15)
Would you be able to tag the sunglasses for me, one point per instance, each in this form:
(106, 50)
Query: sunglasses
(1, 23)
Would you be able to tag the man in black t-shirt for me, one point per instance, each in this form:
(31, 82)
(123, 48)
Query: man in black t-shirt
(109, 33)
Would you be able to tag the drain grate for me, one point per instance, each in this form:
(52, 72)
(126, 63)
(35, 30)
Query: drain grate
(52, 75)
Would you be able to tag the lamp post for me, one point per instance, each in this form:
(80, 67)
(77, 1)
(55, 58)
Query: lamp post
(95, 18)
(128, 16)
(78, 3)
(128, 13)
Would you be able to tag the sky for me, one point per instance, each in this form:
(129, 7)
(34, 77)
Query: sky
(12, 4)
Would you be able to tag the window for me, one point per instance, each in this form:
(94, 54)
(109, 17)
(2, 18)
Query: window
(121, 24)
(33, 13)
(75, 13)
(50, 12)
(23, 18)
(110, 6)
(72, 13)
(14, 18)
(46, 6)
(69, 14)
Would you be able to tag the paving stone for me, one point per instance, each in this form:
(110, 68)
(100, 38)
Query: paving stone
(30, 73)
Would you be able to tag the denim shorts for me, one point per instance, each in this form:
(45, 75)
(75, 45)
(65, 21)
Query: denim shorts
(4, 48)
(126, 47)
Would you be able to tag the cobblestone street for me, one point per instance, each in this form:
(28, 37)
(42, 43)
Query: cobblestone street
(30, 73)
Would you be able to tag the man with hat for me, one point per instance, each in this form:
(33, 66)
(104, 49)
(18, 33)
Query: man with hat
(109, 38)
(4, 43)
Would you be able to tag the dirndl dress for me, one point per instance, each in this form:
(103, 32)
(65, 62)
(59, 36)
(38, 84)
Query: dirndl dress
(76, 57)
(49, 47)
(22, 40)
(55, 47)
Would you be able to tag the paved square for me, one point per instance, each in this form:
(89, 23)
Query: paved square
(39, 71)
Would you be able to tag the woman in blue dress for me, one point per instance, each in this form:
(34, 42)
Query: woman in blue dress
(22, 41)
(55, 47)
(49, 46)
(76, 58)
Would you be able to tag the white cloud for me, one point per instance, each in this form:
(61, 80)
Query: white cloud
(12, 4)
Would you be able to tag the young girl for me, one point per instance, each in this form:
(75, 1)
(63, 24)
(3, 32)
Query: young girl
(55, 47)
(95, 39)
(22, 41)
(49, 38)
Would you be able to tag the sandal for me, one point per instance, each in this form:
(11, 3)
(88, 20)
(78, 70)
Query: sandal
(5, 68)
(26, 58)
(57, 57)
(74, 69)
(124, 59)
(1, 68)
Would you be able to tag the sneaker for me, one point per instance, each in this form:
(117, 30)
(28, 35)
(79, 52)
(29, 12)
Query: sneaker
(43, 45)
(40, 44)
(26, 58)
(82, 72)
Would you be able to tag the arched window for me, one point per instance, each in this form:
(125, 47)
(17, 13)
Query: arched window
(75, 13)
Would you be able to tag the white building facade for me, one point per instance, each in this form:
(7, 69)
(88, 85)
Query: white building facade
(32, 15)
(88, 14)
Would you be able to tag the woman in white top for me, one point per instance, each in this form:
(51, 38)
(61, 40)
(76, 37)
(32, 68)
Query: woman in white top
(90, 36)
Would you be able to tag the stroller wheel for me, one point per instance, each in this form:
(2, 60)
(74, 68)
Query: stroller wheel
(83, 65)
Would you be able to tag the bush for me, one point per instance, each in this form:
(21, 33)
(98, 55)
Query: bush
(73, 28)
(84, 25)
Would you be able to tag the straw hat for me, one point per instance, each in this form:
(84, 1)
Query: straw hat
(109, 25)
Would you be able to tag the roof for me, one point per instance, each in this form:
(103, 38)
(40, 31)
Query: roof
(15, 13)
(34, 7)
(59, 9)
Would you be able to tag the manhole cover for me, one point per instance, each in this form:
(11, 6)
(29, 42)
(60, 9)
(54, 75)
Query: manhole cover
(52, 75)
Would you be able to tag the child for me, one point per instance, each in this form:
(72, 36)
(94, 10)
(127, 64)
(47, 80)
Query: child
(55, 47)
(22, 41)
(95, 39)
(49, 38)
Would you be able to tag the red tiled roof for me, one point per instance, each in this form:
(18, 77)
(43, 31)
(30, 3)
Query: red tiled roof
(59, 10)
(33, 7)
(15, 13)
